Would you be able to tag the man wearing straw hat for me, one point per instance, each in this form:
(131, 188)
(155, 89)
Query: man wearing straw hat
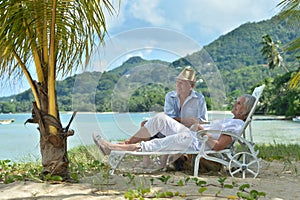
(184, 104)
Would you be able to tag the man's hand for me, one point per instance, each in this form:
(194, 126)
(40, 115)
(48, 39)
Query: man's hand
(196, 127)
(188, 122)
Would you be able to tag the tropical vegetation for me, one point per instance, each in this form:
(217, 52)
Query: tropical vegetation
(83, 164)
(49, 39)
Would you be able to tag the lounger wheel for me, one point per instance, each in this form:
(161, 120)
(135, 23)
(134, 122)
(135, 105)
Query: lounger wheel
(244, 164)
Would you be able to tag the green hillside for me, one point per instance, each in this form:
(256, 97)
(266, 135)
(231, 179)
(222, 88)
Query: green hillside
(128, 88)
(238, 57)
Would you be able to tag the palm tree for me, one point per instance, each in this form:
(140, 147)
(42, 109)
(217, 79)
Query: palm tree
(290, 11)
(54, 37)
(271, 52)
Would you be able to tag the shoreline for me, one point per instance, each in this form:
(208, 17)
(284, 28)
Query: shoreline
(218, 112)
(266, 117)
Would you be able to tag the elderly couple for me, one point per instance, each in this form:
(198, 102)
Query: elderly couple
(184, 114)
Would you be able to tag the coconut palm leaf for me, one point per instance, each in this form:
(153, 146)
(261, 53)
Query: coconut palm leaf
(271, 52)
(48, 38)
(290, 9)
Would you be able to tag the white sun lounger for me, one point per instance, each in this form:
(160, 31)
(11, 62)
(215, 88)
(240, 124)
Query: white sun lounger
(240, 159)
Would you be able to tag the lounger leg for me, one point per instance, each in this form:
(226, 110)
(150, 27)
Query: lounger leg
(164, 160)
(114, 161)
(196, 165)
(111, 172)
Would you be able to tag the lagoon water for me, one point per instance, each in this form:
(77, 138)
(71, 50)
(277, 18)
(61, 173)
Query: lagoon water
(19, 142)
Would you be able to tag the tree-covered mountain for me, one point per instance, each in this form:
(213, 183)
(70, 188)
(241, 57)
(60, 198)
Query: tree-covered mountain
(140, 85)
(238, 53)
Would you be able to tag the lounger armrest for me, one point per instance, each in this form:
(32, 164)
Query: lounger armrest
(202, 133)
(240, 139)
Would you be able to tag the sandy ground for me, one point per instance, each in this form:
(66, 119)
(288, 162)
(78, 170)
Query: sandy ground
(277, 179)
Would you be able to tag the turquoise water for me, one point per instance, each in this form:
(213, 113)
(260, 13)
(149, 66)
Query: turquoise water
(20, 142)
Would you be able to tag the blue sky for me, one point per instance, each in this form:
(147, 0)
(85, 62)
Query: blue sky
(197, 22)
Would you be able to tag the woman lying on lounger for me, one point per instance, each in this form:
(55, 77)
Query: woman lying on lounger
(179, 137)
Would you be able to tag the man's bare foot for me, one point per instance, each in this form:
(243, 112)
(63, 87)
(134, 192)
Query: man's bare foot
(98, 140)
(104, 145)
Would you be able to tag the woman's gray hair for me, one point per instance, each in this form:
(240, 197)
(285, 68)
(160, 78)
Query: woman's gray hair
(249, 102)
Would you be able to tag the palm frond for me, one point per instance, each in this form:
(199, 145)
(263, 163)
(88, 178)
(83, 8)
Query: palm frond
(293, 45)
(289, 8)
(271, 52)
(295, 81)
(79, 25)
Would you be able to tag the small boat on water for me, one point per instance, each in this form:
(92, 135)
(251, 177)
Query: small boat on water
(296, 119)
(6, 121)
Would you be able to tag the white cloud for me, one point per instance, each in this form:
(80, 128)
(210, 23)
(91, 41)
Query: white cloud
(148, 11)
(203, 20)
(223, 16)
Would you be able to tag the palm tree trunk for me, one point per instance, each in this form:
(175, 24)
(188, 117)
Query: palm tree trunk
(53, 146)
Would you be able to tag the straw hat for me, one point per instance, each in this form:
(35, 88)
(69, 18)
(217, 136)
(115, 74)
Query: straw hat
(187, 74)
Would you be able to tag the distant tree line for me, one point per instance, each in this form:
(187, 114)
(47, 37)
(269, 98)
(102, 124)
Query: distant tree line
(277, 98)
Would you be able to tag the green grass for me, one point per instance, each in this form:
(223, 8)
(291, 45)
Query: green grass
(283, 152)
(84, 161)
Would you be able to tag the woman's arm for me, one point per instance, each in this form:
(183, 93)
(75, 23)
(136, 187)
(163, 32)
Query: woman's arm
(221, 143)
